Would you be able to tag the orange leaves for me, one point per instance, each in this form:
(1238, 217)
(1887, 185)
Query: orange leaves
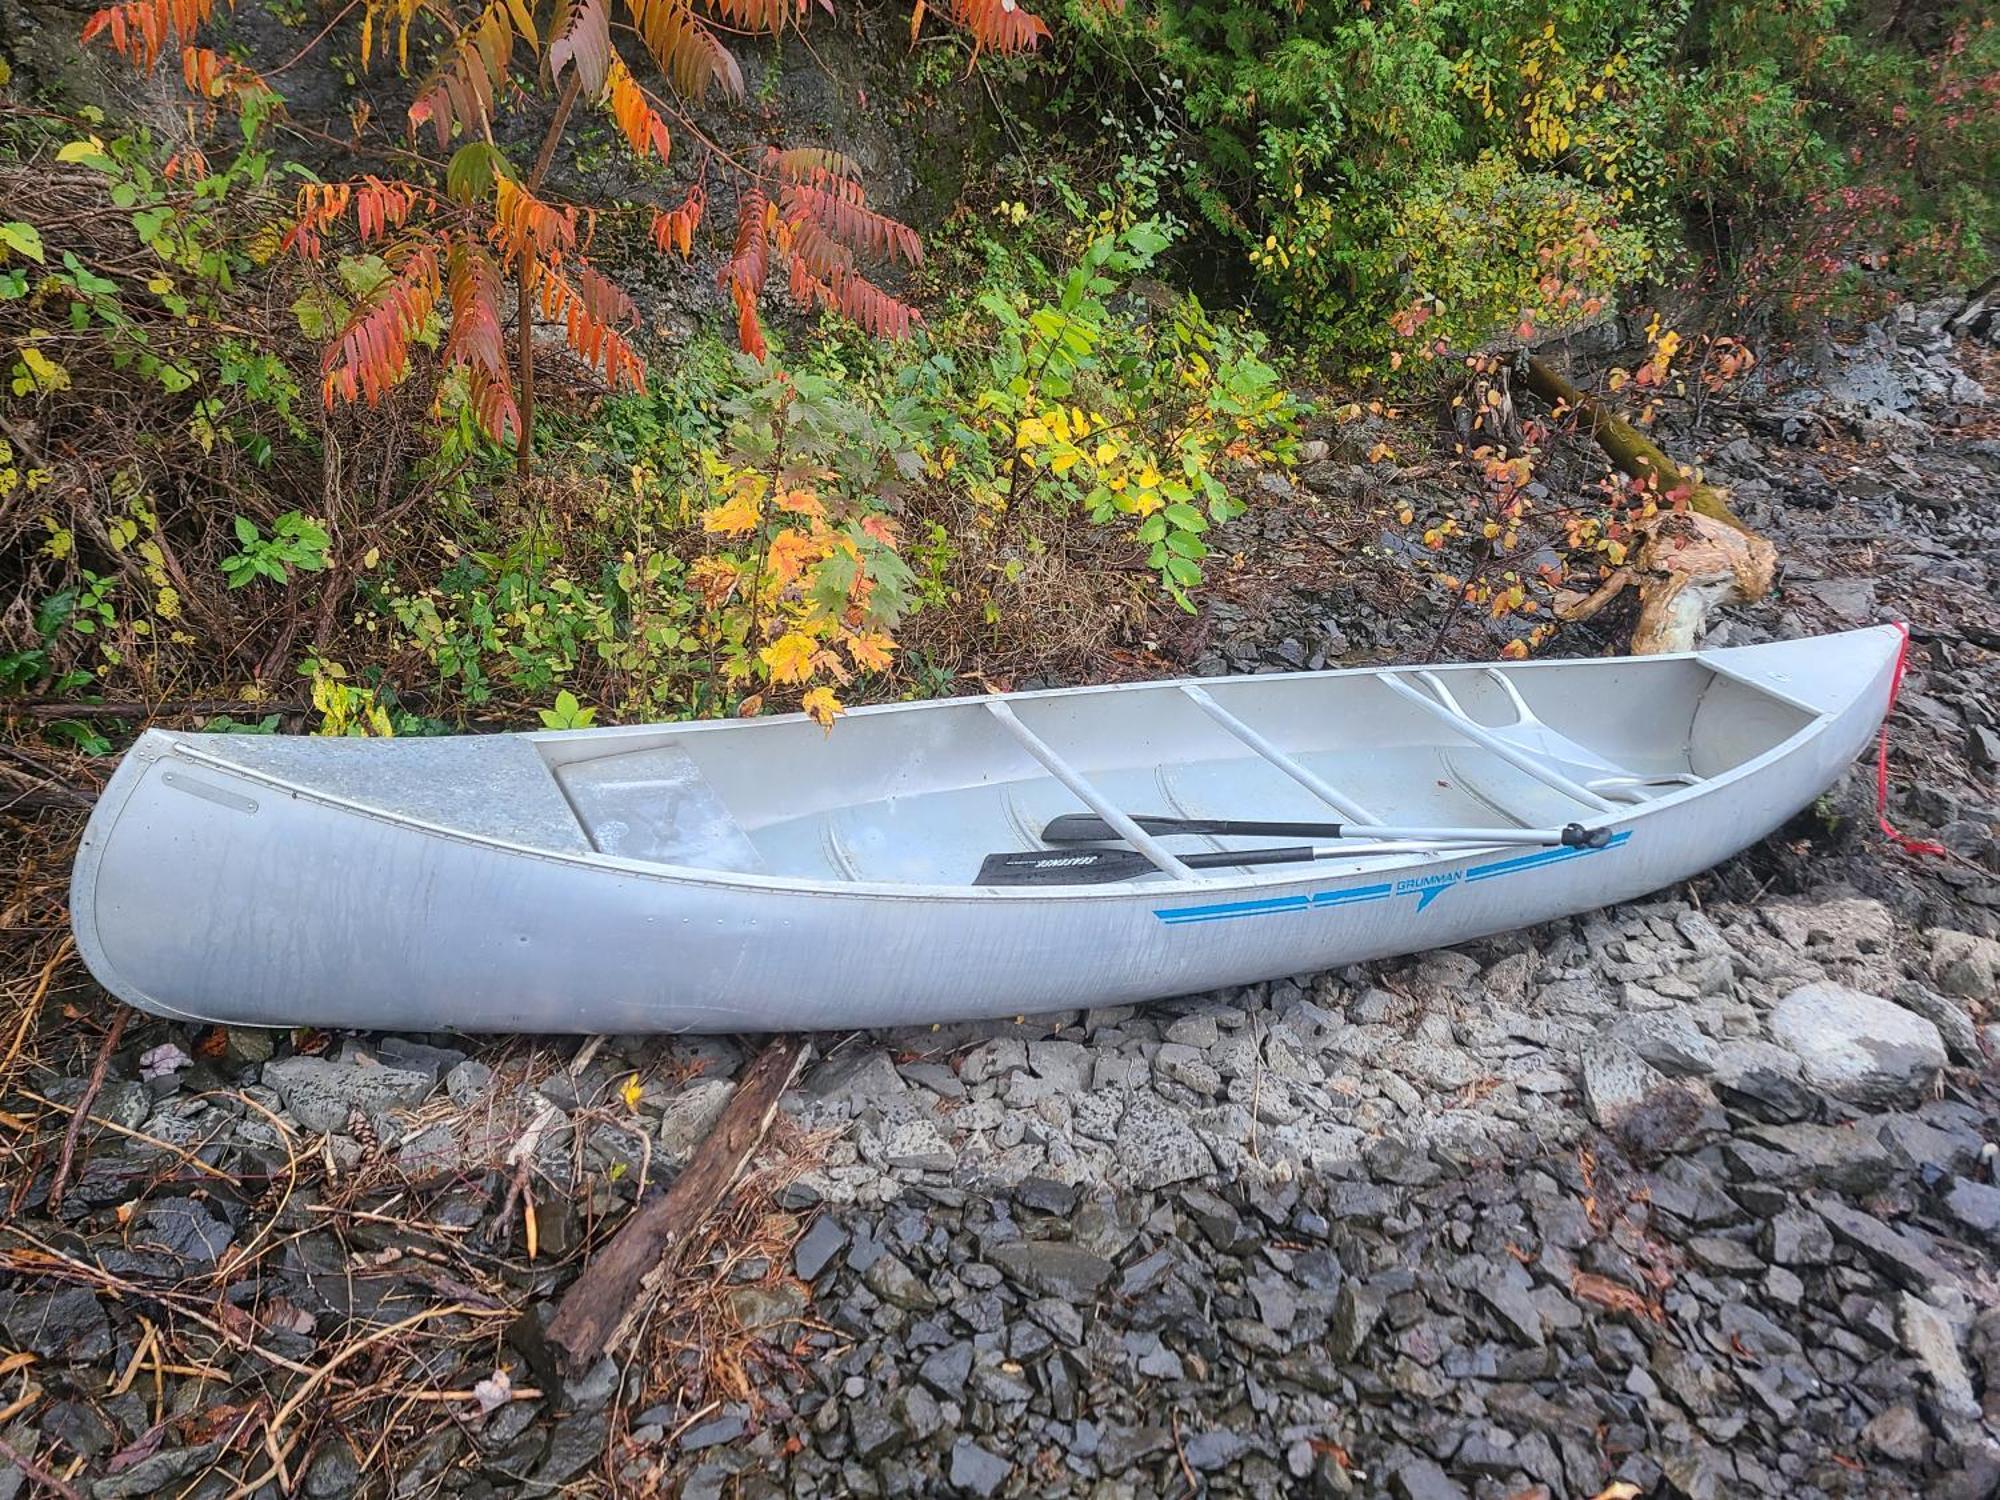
(674, 229)
(320, 204)
(372, 354)
(870, 650)
(213, 76)
(523, 224)
(582, 38)
(686, 50)
(1613, 1296)
(747, 268)
(586, 310)
(378, 208)
(770, 16)
(140, 29)
(643, 128)
(999, 26)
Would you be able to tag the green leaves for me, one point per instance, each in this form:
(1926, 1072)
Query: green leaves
(24, 240)
(296, 541)
(568, 713)
(473, 170)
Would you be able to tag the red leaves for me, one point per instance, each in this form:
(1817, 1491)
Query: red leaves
(839, 211)
(140, 29)
(381, 206)
(473, 285)
(822, 224)
(477, 340)
(582, 36)
(372, 355)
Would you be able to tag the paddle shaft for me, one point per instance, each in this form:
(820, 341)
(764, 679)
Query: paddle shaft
(1085, 828)
(1101, 866)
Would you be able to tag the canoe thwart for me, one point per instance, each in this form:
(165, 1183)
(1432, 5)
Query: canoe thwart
(1161, 857)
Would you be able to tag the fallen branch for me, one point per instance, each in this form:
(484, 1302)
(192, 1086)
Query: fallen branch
(1686, 563)
(604, 1303)
(90, 1092)
(1633, 452)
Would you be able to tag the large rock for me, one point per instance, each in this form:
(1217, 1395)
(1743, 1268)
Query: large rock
(1052, 1269)
(1965, 964)
(323, 1095)
(1856, 1046)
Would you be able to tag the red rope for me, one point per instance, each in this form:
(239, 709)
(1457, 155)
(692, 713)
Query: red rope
(1902, 840)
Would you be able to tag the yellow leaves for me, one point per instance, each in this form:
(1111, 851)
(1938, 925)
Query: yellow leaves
(631, 1093)
(821, 706)
(1381, 453)
(36, 374)
(789, 658)
(742, 513)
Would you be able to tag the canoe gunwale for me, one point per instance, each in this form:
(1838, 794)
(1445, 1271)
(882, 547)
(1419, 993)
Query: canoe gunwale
(182, 748)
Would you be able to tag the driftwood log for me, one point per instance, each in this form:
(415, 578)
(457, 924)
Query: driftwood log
(1686, 563)
(603, 1305)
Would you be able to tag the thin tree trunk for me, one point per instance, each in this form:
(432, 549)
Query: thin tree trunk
(524, 275)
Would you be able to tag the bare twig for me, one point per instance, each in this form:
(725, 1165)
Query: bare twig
(90, 1089)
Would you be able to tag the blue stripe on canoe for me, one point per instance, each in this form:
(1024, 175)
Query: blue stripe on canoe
(1355, 895)
(1539, 859)
(1233, 909)
(1359, 893)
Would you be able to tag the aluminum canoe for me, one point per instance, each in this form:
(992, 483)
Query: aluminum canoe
(766, 875)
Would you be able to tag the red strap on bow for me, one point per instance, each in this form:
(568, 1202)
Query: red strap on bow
(1903, 841)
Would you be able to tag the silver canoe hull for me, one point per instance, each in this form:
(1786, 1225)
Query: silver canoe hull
(435, 884)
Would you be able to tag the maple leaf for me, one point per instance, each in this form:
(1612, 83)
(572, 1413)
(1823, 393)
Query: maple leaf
(734, 517)
(821, 706)
(789, 658)
(870, 650)
(791, 552)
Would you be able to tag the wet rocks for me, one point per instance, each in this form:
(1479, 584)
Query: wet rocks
(1856, 1046)
(1052, 1269)
(323, 1095)
(65, 1326)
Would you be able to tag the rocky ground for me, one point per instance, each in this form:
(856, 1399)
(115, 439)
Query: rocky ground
(1691, 1197)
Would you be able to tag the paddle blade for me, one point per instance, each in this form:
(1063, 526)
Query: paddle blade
(1064, 867)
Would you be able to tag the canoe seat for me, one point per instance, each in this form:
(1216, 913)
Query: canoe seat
(656, 805)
